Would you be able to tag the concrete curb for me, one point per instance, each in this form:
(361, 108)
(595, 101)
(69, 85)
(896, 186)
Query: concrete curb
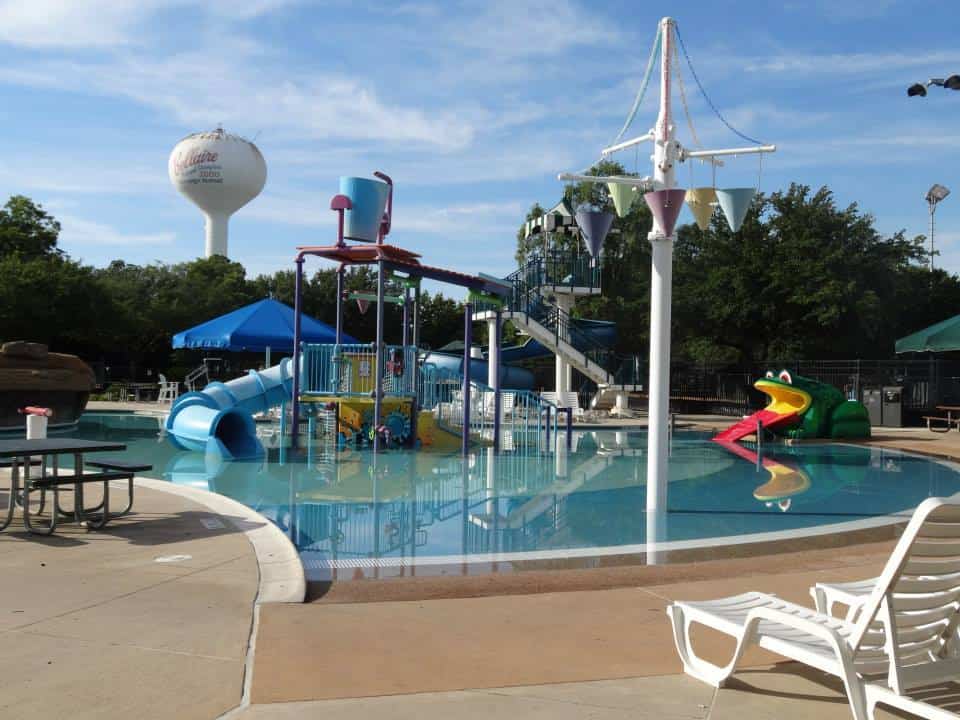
(281, 573)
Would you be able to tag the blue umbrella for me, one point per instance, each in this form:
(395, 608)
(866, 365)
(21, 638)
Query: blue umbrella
(263, 326)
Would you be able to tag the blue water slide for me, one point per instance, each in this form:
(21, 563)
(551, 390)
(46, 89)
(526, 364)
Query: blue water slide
(511, 378)
(218, 419)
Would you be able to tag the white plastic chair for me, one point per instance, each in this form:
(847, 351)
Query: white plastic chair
(168, 390)
(900, 640)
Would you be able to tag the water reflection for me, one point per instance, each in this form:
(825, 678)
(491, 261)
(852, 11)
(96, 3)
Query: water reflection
(348, 509)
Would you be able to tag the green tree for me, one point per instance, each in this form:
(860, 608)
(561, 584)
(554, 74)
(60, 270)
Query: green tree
(27, 229)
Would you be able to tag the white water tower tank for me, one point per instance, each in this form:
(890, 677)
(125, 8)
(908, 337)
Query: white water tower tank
(219, 173)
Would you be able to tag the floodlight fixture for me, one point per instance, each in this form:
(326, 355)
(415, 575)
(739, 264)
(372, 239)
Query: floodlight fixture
(937, 193)
(934, 195)
(920, 89)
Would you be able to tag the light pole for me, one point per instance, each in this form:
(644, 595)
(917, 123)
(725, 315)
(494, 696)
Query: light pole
(920, 89)
(934, 195)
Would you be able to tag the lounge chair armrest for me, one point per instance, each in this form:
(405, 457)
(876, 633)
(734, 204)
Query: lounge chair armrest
(811, 627)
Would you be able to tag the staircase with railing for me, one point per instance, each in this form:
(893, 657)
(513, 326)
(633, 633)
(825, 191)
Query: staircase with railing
(529, 308)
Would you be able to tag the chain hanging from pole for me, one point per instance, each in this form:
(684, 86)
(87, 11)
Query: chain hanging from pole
(704, 92)
(643, 87)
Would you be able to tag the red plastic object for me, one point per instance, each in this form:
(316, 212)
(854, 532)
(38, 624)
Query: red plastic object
(748, 426)
(33, 410)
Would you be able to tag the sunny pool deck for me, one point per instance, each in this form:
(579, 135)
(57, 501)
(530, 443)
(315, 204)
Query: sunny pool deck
(93, 626)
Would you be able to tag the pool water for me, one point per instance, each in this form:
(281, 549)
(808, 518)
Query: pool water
(405, 508)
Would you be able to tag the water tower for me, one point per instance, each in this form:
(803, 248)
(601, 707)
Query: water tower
(219, 173)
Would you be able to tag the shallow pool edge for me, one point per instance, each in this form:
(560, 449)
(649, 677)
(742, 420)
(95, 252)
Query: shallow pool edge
(281, 574)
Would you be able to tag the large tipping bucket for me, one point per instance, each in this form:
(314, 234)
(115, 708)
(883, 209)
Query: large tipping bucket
(666, 206)
(735, 202)
(594, 224)
(623, 197)
(369, 200)
(700, 201)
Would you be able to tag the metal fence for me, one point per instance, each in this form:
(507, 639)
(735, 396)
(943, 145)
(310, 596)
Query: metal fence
(728, 390)
(526, 419)
(350, 370)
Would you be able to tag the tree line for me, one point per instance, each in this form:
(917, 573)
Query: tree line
(126, 313)
(802, 279)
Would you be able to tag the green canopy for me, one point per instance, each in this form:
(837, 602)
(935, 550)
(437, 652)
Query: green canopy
(942, 337)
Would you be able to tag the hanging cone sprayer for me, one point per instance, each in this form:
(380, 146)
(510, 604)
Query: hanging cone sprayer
(594, 224)
(735, 202)
(623, 197)
(700, 201)
(666, 206)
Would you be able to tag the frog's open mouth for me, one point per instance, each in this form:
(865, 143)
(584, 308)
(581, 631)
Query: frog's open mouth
(785, 399)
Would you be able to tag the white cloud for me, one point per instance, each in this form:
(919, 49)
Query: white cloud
(249, 97)
(492, 219)
(100, 24)
(850, 63)
(76, 173)
(68, 23)
(78, 232)
(532, 27)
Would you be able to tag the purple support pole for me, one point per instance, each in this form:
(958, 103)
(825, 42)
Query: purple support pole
(378, 370)
(569, 428)
(415, 403)
(297, 311)
(467, 342)
(496, 383)
(340, 272)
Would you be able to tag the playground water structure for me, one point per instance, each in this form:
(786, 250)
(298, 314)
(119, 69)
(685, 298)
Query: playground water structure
(354, 513)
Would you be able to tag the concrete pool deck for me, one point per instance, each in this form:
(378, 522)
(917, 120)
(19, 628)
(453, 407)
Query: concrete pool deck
(148, 618)
(94, 626)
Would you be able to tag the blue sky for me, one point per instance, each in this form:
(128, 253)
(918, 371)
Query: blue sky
(472, 107)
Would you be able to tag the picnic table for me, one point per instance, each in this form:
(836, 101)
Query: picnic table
(952, 418)
(135, 388)
(21, 453)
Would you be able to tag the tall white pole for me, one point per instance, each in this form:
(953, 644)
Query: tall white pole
(933, 207)
(661, 282)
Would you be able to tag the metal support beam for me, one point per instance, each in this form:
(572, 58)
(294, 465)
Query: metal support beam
(415, 402)
(493, 361)
(378, 369)
(340, 273)
(467, 342)
(297, 312)
(626, 144)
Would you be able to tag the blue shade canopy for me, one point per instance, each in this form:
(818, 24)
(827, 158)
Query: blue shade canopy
(264, 324)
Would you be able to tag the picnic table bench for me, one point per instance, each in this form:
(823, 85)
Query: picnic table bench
(23, 454)
(950, 420)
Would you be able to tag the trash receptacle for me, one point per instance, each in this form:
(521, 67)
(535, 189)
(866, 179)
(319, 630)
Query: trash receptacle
(893, 406)
(873, 399)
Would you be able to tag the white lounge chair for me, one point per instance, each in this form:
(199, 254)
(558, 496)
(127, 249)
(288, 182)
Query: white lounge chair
(900, 639)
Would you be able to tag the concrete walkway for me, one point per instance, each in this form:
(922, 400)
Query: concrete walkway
(148, 618)
(782, 692)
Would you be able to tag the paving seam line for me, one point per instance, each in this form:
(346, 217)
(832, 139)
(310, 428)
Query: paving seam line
(272, 543)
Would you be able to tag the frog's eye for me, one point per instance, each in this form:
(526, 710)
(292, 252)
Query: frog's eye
(785, 377)
(769, 373)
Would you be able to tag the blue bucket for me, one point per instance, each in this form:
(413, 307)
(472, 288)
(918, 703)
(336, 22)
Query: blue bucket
(369, 200)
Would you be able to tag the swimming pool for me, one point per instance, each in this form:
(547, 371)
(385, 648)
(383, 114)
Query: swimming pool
(404, 509)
